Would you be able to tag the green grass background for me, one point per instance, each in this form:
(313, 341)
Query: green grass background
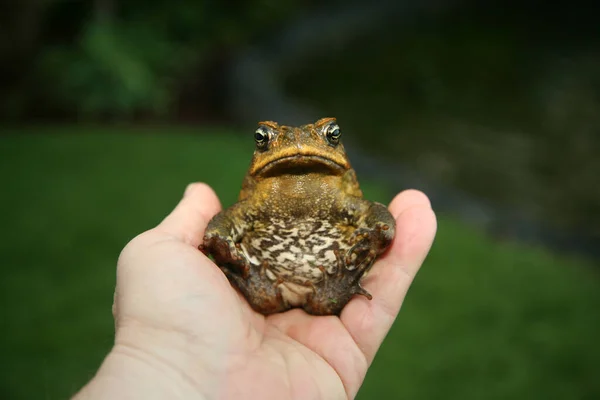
(483, 320)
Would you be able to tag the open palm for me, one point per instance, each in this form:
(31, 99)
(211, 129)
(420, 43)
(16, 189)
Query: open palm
(183, 331)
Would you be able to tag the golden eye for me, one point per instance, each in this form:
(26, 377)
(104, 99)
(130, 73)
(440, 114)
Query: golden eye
(261, 137)
(333, 134)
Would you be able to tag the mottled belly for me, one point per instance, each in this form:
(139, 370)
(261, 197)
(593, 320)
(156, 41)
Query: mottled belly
(297, 251)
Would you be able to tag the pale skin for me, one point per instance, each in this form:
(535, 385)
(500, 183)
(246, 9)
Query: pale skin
(182, 332)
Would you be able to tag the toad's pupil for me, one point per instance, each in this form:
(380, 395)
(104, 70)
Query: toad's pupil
(333, 135)
(259, 136)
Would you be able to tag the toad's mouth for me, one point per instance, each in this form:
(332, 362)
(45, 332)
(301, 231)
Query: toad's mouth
(299, 164)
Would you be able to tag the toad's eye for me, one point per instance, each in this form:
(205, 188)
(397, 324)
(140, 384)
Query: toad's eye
(332, 133)
(262, 136)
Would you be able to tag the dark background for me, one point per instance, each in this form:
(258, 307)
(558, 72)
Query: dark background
(110, 107)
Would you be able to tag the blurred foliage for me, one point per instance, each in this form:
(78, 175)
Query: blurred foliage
(119, 59)
(114, 71)
(483, 320)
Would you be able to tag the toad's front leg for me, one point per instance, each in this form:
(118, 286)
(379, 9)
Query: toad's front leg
(375, 232)
(223, 235)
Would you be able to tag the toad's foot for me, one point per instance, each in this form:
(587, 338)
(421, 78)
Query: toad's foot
(336, 290)
(263, 294)
(226, 254)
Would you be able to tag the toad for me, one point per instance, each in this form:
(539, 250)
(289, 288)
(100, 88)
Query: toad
(301, 234)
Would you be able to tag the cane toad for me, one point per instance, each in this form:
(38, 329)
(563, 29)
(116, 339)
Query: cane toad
(301, 234)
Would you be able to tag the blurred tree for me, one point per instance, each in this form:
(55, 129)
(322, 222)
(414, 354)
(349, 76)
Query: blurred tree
(20, 25)
(117, 59)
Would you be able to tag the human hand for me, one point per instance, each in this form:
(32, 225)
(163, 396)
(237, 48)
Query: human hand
(182, 331)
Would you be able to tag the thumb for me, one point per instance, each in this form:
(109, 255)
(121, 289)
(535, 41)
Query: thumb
(188, 220)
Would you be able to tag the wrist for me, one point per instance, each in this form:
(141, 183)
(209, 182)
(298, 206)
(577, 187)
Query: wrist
(136, 368)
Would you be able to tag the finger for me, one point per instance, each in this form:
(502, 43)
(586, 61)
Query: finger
(188, 220)
(369, 321)
(400, 204)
